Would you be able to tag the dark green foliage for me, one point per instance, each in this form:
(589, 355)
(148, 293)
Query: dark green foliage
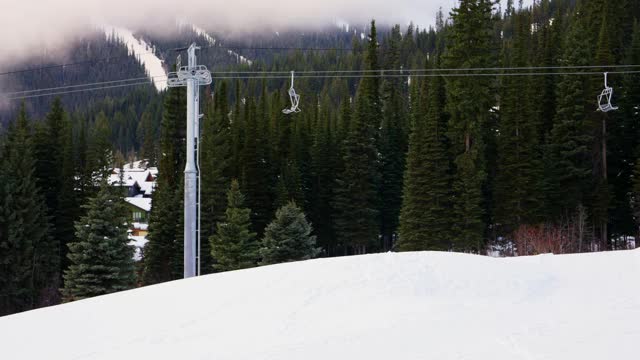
(100, 156)
(392, 142)
(255, 177)
(356, 200)
(234, 246)
(518, 182)
(29, 256)
(469, 101)
(55, 173)
(568, 156)
(163, 256)
(625, 133)
(487, 154)
(215, 167)
(324, 163)
(288, 237)
(426, 220)
(101, 257)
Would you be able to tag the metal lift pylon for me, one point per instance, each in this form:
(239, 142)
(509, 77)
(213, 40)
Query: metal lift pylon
(192, 76)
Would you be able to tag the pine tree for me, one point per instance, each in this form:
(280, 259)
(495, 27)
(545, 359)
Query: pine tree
(215, 170)
(355, 199)
(324, 165)
(425, 220)
(569, 160)
(101, 257)
(392, 143)
(256, 181)
(56, 176)
(234, 246)
(624, 149)
(29, 257)
(288, 237)
(148, 149)
(518, 182)
(163, 253)
(469, 101)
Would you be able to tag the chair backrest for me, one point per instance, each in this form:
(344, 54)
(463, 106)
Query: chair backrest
(604, 100)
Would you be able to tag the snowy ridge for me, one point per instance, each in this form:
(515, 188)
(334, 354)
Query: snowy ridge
(211, 41)
(387, 306)
(144, 53)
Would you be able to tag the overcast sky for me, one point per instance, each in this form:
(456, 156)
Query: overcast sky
(27, 25)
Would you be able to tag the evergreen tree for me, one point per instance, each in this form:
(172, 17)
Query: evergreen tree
(469, 101)
(29, 257)
(392, 143)
(324, 164)
(288, 237)
(426, 221)
(234, 246)
(101, 257)
(100, 157)
(518, 194)
(215, 170)
(569, 161)
(623, 155)
(148, 149)
(163, 253)
(56, 176)
(255, 168)
(356, 189)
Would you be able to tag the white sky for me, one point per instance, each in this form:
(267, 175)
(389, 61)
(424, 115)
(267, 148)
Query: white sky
(28, 26)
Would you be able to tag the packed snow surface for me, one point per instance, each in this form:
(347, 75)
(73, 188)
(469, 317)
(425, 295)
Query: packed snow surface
(144, 53)
(388, 306)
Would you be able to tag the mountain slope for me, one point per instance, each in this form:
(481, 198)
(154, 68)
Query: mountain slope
(144, 53)
(387, 306)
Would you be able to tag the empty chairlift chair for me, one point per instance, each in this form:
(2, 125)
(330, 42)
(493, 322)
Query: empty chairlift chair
(604, 99)
(295, 99)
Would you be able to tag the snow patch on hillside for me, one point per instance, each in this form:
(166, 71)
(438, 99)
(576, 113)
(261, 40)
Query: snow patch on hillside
(387, 306)
(212, 42)
(144, 53)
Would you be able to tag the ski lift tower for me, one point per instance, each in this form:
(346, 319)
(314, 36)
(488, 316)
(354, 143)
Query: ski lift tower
(192, 76)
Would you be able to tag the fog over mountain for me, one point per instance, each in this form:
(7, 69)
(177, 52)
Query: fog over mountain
(33, 26)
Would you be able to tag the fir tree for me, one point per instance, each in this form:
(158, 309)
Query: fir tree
(356, 189)
(426, 221)
(29, 257)
(568, 160)
(625, 133)
(215, 170)
(101, 257)
(56, 176)
(469, 101)
(518, 182)
(100, 151)
(288, 237)
(163, 253)
(392, 143)
(234, 246)
(324, 163)
(255, 169)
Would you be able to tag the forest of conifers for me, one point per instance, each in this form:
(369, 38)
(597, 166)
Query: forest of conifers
(523, 163)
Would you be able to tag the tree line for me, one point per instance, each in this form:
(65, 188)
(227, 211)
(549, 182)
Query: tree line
(520, 163)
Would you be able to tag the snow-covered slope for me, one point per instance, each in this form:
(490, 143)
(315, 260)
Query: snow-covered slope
(387, 306)
(211, 41)
(144, 53)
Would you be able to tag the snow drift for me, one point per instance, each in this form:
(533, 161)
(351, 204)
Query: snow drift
(388, 306)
